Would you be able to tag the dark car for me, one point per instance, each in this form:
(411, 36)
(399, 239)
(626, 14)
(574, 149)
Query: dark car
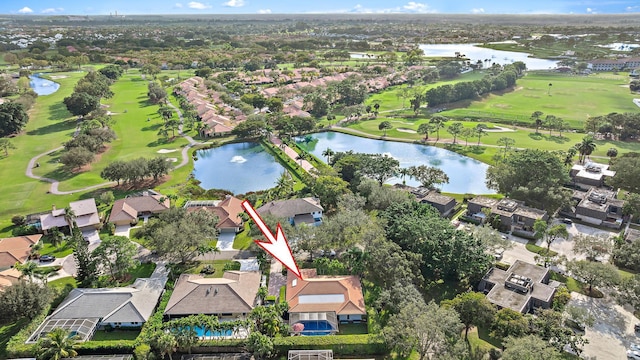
(567, 221)
(47, 258)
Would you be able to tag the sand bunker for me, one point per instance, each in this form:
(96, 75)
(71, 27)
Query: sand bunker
(499, 129)
(172, 159)
(54, 77)
(166, 151)
(405, 130)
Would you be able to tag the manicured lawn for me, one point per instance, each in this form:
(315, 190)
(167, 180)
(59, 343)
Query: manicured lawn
(575, 285)
(59, 251)
(539, 249)
(243, 240)
(63, 282)
(572, 98)
(479, 338)
(352, 329)
(102, 335)
(7, 332)
(444, 290)
(389, 98)
(218, 265)
(144, 270)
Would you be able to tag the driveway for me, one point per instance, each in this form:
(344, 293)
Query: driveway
(565, 246)
(122, 230)
(612, 332)
(91, 236)
(225, 241)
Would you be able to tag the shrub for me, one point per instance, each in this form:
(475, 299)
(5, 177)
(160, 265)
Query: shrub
(141, 352)
(341, 344)
(234, 265)
(18, 220)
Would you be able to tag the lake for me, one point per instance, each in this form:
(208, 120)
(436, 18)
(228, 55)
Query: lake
(240, 168)
(42, 86)
(466, 175)
(475, 53)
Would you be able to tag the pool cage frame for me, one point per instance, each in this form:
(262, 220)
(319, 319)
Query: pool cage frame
(329, 317)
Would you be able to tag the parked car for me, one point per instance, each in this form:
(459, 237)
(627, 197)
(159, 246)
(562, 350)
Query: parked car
(567, 221)
(497, 253)
(574, 325)
(636, 327)
(47, 258)
(633, 355)
(634, 347)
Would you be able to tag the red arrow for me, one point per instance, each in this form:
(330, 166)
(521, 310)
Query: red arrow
(277, 246)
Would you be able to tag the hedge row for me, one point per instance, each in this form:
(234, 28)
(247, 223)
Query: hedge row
(364, 344)
(106, 347)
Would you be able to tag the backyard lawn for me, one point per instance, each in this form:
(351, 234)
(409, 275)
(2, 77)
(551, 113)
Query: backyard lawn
(62, 250)
(218, 266)
(102, 335)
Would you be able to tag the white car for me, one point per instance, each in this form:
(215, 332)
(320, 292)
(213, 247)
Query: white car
(634, 347)
(497, 253)
(633, 355)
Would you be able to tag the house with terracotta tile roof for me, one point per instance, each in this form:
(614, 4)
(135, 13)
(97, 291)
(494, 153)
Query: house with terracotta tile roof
(127, 211)
(228, 212)
(321, 302)
(16, 250)
(85, 215)
(229, 297)
(9, 277)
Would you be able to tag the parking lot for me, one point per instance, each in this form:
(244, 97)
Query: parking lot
(612, 332)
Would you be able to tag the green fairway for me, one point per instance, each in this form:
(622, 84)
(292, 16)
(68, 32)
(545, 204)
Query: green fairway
(572, 98)
(390, 99)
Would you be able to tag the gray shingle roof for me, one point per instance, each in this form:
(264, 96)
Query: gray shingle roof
(291, 208)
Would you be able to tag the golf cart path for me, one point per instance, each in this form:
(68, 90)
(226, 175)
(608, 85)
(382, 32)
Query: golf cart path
(55, 183)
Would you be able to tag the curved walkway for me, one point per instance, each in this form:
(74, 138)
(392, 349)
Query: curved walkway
(55, 183)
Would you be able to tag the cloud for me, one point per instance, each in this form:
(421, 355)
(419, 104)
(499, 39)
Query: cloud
(633, 8)
(591, 11)
(413, 6)
(52, 10)
(198, 5)
(234, 3)
(25, 10)
(477, 11)
(264, 11)
(178, 5)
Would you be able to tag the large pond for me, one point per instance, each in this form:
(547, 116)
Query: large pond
(475, 53)
(42, 86)
(240, 168)
(466, 175)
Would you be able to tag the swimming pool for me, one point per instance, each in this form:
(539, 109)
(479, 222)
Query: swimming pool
(212, 334)
(316, 327)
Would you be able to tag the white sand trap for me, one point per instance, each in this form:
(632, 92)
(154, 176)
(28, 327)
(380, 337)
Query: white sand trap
(54, 77)
(407, 130)
(166, 151)
(172, 159)
(499, 129)
(636, 101)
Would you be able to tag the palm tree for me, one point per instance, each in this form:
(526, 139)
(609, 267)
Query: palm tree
(165, 343)
(403, 173)
(302, 156)
(165, 112)
(480, 131)
(550, 120)
(328, 153)
(56, 237)
(536, 120)
(186, 337)
(455, 129)
(262, 294)
(70, 217)
(56, 345)
(585, 147)
(438, 123)
(568, 160)
(284, 183)
(27, 269)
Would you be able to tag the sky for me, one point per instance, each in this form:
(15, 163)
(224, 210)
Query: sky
(133, 7)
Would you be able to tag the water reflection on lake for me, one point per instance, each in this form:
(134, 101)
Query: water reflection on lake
(466, 175)
(42, 86)
(240, 168)
(475, 53)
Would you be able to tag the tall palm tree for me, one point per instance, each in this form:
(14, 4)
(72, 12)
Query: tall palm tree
(403, 173)
(585, 147)
(611, 153)
(70, 217)
(480, 131)
(536, 120)
(27, 269)
(56, 237)
(550, 120)
(165, 343)
(328, 153)
(302, 156)
(56, 345)
(438, 122)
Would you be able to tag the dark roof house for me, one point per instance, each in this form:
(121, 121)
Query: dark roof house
(126, 211)
(228, 211)
(232, 295)
(306, 210)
